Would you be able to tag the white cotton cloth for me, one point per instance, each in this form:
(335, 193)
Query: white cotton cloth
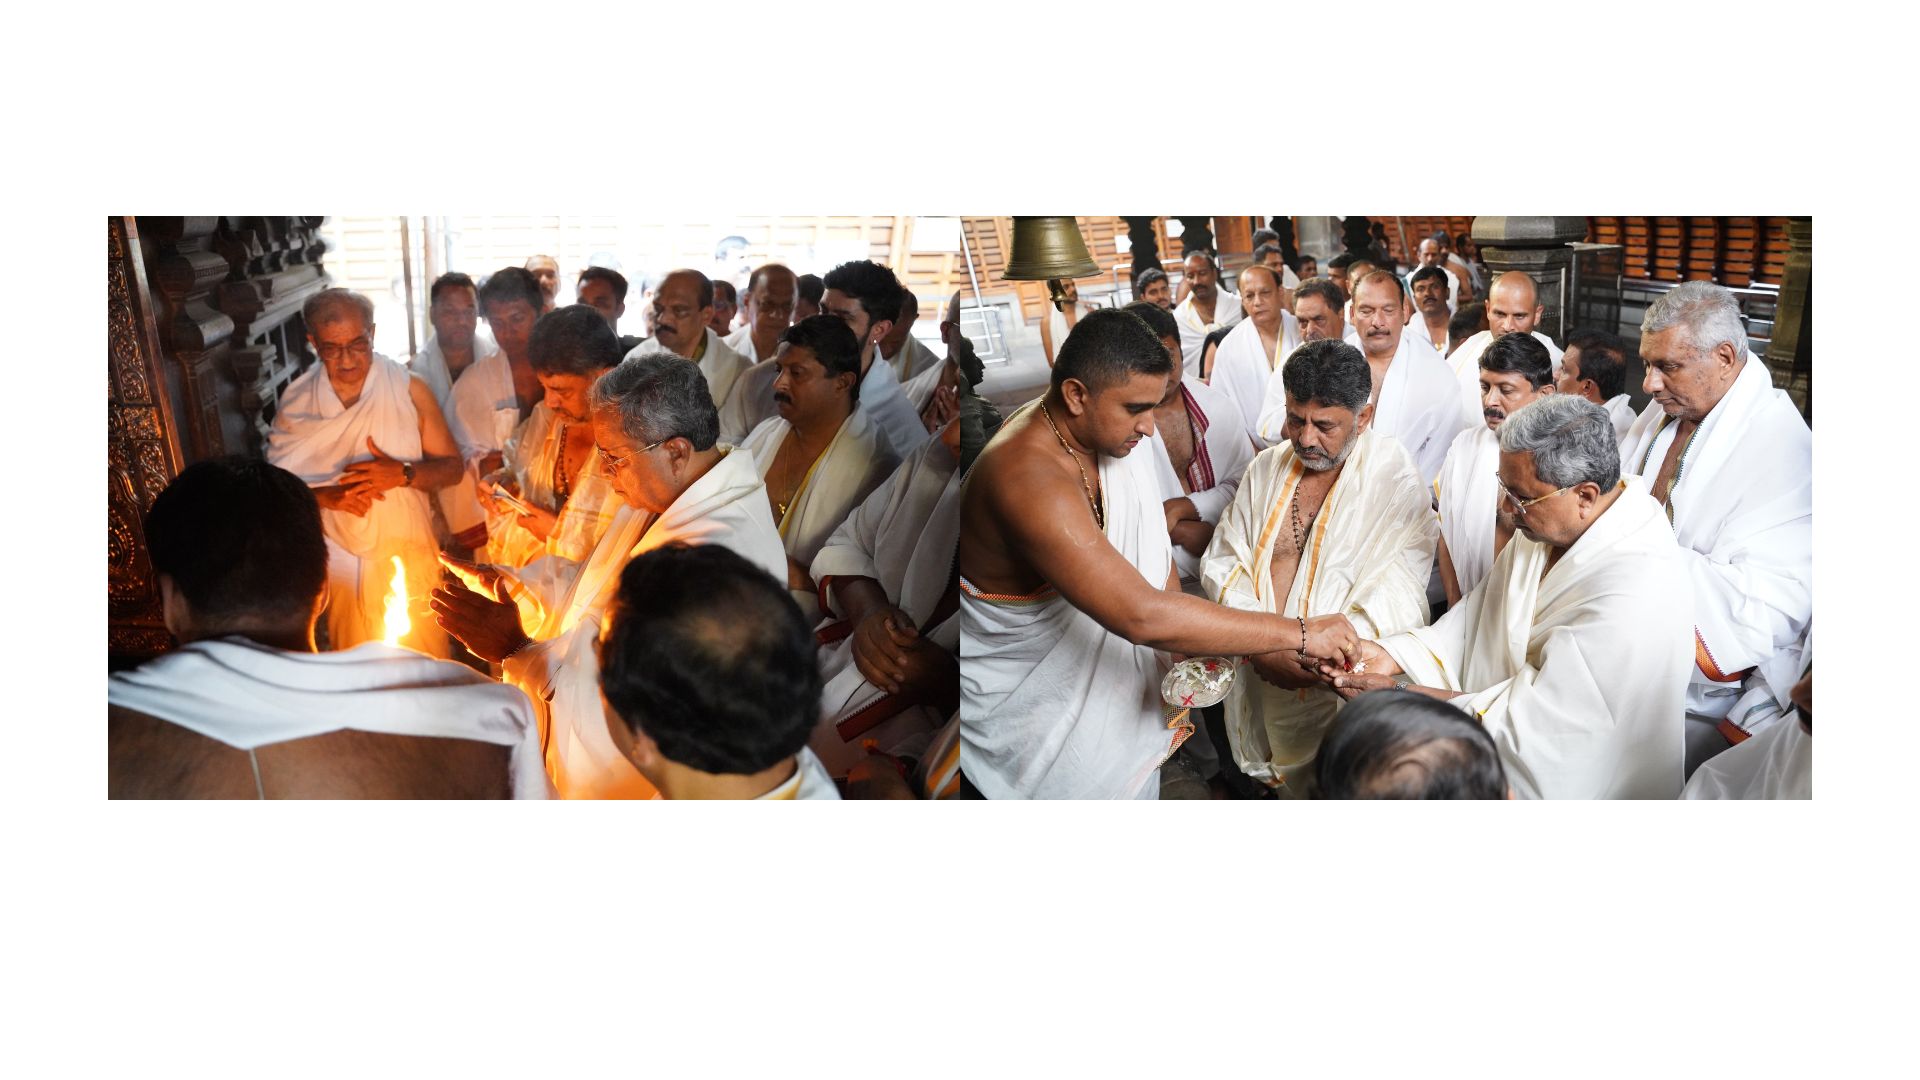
(1620, 410)
(1368, 555)
(1742, 510)
(1243, 371)
(1052, 706)
(249, 695)
(844, 474)
(315, 438)
(905, 536)
(719, 364)
(1579, 675)
(1468, 498)
(913, 360)
(1194, 330)
(750, 403)
(459, 505)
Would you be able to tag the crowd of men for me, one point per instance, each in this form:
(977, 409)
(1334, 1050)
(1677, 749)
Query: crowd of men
(1441, 556)
(549, 560)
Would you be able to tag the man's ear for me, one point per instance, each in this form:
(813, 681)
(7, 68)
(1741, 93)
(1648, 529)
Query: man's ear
(174, 611)
(878, 330)
(1364, 418)
(1076, 396)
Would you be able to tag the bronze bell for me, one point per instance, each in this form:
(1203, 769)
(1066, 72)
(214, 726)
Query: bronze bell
(1046, 249)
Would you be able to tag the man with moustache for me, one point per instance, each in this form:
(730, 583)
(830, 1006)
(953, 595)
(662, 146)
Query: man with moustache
(498, 392)
(820, 456)
(1069, 597)
(453, 308)
(682, 307)
(1429, 287)
(769, 310)
(1151, 286)
(1513, 307)
(1246, 362)
(1433, 253)
(1514, 372)
(726, 303)
(1207, 307)
(1331, 523)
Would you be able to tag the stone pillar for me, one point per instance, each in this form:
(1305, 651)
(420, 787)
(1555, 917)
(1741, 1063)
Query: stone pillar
(1196, 234)
(1537, 247)
(1790, 353)
(1142, 246)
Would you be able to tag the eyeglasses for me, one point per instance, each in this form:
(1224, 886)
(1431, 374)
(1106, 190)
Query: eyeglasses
(1519, 507)
(611, 464)
(361, 347)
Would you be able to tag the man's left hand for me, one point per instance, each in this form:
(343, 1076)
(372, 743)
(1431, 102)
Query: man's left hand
(490, 628)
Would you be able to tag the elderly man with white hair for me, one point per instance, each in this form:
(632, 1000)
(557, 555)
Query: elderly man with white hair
(1731, 459)
(1574, 650)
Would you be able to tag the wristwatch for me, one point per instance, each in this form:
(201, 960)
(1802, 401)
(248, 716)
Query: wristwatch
(406, 470)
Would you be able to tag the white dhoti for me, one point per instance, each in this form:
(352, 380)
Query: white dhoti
(1367, 559)
(315, 438)
(1579, 675)
(249, 695)
(1052, 706)
(1468, 495)
(905, 537)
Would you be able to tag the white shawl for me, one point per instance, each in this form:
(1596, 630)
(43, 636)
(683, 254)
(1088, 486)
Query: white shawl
(1227, 455)
(1580, 676)
(1418, 405)
(561, 672)
(1052, 706)
(1620, 410)
(1468, 498)
(750, 403)
(886, 404)
(719, 365)
(1368, 555)
(1193, 332)
(1742, 510)
(1242, 370)
(249, 695)
(913, 360)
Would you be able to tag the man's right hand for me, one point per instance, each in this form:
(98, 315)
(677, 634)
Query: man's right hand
(480, 577)
(883, 643)
(1332, 637)
(491, 463)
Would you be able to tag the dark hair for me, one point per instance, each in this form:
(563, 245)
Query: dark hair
(1341, 261)
(1426, 273)
(726, 289)
(1147, 277)
(1260, 253)
(512, 283)
(707, 654)
(573, 340)
(869, 283)
(705, 288)
(811, 288)
(614, 279)
(1521, 354)
(1303, 260)
(1329, 372)
(832, 342)
(1264, 237)
(1107, 347)
(1602, 359)
(753, 280)
(1157, 317)
(1396, 744)
(452, 279)
(1466, 322)
(1329, 292)
(239, 537)
(1440, 237)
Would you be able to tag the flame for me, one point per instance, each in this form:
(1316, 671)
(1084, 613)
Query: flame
(398, 623)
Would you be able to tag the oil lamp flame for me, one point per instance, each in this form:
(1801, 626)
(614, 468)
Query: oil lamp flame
(398, 623)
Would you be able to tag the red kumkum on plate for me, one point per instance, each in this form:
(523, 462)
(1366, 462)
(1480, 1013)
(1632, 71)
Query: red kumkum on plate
(1197, 682)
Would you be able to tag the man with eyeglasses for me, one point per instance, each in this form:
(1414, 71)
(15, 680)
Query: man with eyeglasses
(769, 309)
(368, 437)
(1574, 652)
(682, 307)
(656, 435)
(1514, 373)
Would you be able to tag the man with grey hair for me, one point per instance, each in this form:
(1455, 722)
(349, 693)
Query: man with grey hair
(1731, 459)
(369, 438)
(1334, 520)
(1574, 650)
(656, 436)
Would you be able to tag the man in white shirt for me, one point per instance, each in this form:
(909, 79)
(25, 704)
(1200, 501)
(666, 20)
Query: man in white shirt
(1513, 307)
(453, 308)
(1595, 367)
(605, 290)
(709, 679)
(866, 296)
(1248, 361)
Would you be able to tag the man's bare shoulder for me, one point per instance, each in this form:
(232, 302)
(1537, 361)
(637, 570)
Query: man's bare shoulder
(1015, 471)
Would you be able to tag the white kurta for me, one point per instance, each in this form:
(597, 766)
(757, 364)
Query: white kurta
(1468, 499)
(1465, 364)
(561, 672)
(1742, 509)
(719, 365)
(249, 695)
(486, 411)
(1242, 370)
(1220, 457)
(1368, 556)
(1417, 406)
(905, 536)
(844, 474)
(1194, 331)
(315, 438)
(1052, 706)
(1580, 676)
(886, 404)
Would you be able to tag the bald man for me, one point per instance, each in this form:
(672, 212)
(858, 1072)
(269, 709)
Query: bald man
(1513, 306)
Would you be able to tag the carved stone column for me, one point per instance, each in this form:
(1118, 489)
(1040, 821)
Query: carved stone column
(1537, 247)
(143, 452)
(1790, 353)
(1196, 234)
